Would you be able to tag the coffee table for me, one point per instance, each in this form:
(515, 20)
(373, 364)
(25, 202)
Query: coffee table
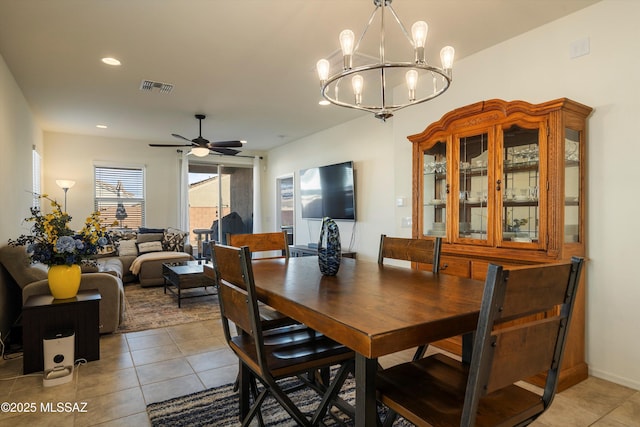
(182, 275)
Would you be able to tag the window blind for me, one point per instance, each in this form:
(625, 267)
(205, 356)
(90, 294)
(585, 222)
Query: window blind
(119, 195)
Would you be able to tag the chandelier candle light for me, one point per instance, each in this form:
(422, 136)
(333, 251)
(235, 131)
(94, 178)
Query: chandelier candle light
(378, 73)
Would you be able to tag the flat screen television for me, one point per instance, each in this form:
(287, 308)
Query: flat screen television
(328, 191)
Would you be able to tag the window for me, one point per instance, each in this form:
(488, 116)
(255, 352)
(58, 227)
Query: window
(119, 195)
(36, 162)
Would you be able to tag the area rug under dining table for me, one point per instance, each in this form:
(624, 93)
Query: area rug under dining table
(151, 308)
(219, 407)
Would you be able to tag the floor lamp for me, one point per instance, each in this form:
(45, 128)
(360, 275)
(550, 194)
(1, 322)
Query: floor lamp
(65, 184)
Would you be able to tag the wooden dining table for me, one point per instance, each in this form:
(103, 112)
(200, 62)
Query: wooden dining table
(373, 309)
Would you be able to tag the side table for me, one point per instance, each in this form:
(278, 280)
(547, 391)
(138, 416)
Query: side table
(42, 314)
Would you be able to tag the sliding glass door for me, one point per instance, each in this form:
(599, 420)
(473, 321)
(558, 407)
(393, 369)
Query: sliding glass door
(219, 191)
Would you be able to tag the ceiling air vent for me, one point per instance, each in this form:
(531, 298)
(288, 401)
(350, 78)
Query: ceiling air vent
(149, 85)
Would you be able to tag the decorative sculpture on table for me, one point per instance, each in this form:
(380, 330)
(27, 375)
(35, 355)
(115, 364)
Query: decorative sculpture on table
(329, 249)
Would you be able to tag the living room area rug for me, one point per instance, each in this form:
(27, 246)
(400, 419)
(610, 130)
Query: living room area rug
(151, 308)
(219, 407)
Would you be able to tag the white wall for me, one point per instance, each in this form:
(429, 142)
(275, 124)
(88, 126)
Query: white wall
(73, 156)
(18, 134)
(534, 67)
(70, 156)
(370, 145)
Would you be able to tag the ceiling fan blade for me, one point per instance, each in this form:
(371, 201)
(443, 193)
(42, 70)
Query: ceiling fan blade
(170, 145)
(225, 151)
(225, 144)
(175, 135)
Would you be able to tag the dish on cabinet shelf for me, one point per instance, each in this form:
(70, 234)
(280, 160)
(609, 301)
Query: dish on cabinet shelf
(436, 201)
(521, 198)
(473, 199)
(521, 239)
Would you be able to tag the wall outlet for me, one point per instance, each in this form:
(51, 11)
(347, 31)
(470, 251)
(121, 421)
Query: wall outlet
(407, 222)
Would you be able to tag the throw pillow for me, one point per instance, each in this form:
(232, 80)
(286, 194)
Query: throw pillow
(127, 248)
(146, 247)
(150, 237)
(173, 240)
(116, 235)
(145, 230)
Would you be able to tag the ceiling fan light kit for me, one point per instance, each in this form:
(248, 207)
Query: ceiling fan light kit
(371, 94)
(201, 147)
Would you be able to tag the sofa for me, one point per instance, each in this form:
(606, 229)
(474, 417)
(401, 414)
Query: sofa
(31, 279)
(142, 252)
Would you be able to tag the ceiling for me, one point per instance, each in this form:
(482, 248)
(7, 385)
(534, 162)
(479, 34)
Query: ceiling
(249, 65)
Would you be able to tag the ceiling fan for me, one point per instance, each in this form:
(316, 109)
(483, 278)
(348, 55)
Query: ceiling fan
(200, 144)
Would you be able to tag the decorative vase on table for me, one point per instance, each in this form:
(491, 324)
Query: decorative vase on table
(329, 249)
(64, 280)
(52, 242)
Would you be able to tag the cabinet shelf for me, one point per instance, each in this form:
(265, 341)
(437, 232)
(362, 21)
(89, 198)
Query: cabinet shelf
(514, 167)
(517, 203)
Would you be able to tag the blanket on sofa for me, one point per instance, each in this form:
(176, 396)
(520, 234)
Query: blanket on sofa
(136, 265)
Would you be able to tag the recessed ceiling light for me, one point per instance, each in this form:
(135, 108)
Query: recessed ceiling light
(323, 102)
(111, 61)
(101, 126)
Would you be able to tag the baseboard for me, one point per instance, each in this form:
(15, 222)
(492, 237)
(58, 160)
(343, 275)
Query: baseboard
(615, 378)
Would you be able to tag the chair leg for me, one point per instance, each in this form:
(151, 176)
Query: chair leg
(253, 385)
(332, 391)
(255, 409)
(420, 351)
(390, 418)
(289, 406)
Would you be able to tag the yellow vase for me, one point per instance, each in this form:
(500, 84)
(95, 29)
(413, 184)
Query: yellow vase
(64, 280)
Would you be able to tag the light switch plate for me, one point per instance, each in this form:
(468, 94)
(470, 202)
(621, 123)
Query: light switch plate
(579, 48)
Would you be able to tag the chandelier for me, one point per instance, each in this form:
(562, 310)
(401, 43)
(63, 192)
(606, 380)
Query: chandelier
(369, 82)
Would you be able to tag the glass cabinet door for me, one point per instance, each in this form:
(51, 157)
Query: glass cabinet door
(520, 185)
(572, 190)
(473, 187)
(435, 190)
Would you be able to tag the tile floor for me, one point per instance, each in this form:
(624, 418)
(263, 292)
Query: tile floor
(150, 366)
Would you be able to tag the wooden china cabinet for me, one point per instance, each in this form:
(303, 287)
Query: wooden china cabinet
(504, 182)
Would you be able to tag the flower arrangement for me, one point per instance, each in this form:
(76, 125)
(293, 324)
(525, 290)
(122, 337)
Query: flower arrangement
(52, 242)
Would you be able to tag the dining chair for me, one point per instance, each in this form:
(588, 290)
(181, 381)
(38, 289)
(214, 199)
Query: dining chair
(415, 250)
(425, 250)
(258, 243)
(440, 390)
(270, 355)
(261, 242)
